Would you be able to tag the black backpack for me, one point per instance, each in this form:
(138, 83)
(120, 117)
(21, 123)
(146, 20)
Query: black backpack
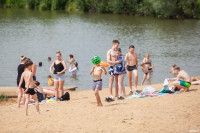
(65, 97)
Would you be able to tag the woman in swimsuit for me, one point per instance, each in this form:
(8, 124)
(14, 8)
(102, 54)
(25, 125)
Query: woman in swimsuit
(20, 91)
(59, 74)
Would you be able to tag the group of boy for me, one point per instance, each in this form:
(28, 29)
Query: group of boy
(183, 80)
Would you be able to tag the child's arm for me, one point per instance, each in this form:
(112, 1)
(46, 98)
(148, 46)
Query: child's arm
(126, 58)
(104, 70)
(152, 67)
(136, 61)
(21, 81)
(92, 70)
(51, 68)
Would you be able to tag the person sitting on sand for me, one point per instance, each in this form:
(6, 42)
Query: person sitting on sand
(50, 80)
(146, 69)
(172, 69)
(29, 85)
(195, 81)
(183, 80)
(73, 69)
(131, 57)
(97, 71)
(71, 59)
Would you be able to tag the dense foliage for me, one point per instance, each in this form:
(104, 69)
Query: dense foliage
(160, 8)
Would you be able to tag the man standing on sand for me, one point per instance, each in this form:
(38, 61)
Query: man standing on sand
(183, 80)
(112, 60)
(132, 66)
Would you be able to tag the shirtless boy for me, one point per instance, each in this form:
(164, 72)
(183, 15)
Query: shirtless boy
(97, 71)
(27, 76)
(146, 69)
(131, 66)
(183, 80)
(112, 60)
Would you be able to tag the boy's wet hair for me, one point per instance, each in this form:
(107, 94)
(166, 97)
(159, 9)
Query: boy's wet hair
(131, 46)
(177, 68)
(119, 50)
(37, 83)
(28, 63)
(49, 76)
(71, 56)
(174, 65)
(115, 41)
(58, 52)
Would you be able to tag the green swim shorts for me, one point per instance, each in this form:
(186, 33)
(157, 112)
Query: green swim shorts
(185, 84)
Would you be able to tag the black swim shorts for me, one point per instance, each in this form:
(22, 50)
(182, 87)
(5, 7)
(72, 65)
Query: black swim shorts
(131, 68)
(30, 91)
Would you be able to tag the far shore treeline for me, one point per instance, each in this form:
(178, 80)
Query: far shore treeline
(158, 8)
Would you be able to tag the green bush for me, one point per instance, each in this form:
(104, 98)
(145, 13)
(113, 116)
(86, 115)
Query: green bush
(2, 3)
(3, 97)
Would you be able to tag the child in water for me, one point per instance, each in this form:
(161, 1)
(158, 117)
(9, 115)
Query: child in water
(97, 71)
(146, 69)
(71, 59)
(50, 81)
(73, 69)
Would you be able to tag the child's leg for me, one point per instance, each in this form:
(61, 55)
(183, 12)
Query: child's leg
(135, 72)
(120, 85)
(116, 86)
(61, 84)
(19, 97)
(24, 98)
(123, 87)
(36, 102)
(27, 96)
(111, 79)
(148, 78)
(56, 84)
(98, 97)
(130, 79)
(144, 77)
(177, 84)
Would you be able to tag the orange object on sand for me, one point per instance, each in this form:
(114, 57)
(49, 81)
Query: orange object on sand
(104, 64)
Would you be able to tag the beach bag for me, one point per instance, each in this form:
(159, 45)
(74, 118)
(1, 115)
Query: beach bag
(65, 97)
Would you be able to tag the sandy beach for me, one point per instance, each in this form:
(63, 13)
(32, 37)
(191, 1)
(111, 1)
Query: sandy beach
(178, 113)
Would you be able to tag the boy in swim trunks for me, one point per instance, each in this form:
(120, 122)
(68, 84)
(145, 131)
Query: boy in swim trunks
(112, 60)
(131, 57)
(97, 71)
(146, 69)
(27, 76)
(183, 80)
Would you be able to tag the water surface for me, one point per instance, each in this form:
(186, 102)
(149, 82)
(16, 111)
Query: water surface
(39, 34)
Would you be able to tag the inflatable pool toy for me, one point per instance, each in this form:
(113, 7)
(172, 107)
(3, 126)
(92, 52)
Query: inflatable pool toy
(104, 64)
(48, 91)
(96, 60)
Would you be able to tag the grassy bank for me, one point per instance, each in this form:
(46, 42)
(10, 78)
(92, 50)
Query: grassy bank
(158, 8)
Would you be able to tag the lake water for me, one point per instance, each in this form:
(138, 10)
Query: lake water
(39, 34)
